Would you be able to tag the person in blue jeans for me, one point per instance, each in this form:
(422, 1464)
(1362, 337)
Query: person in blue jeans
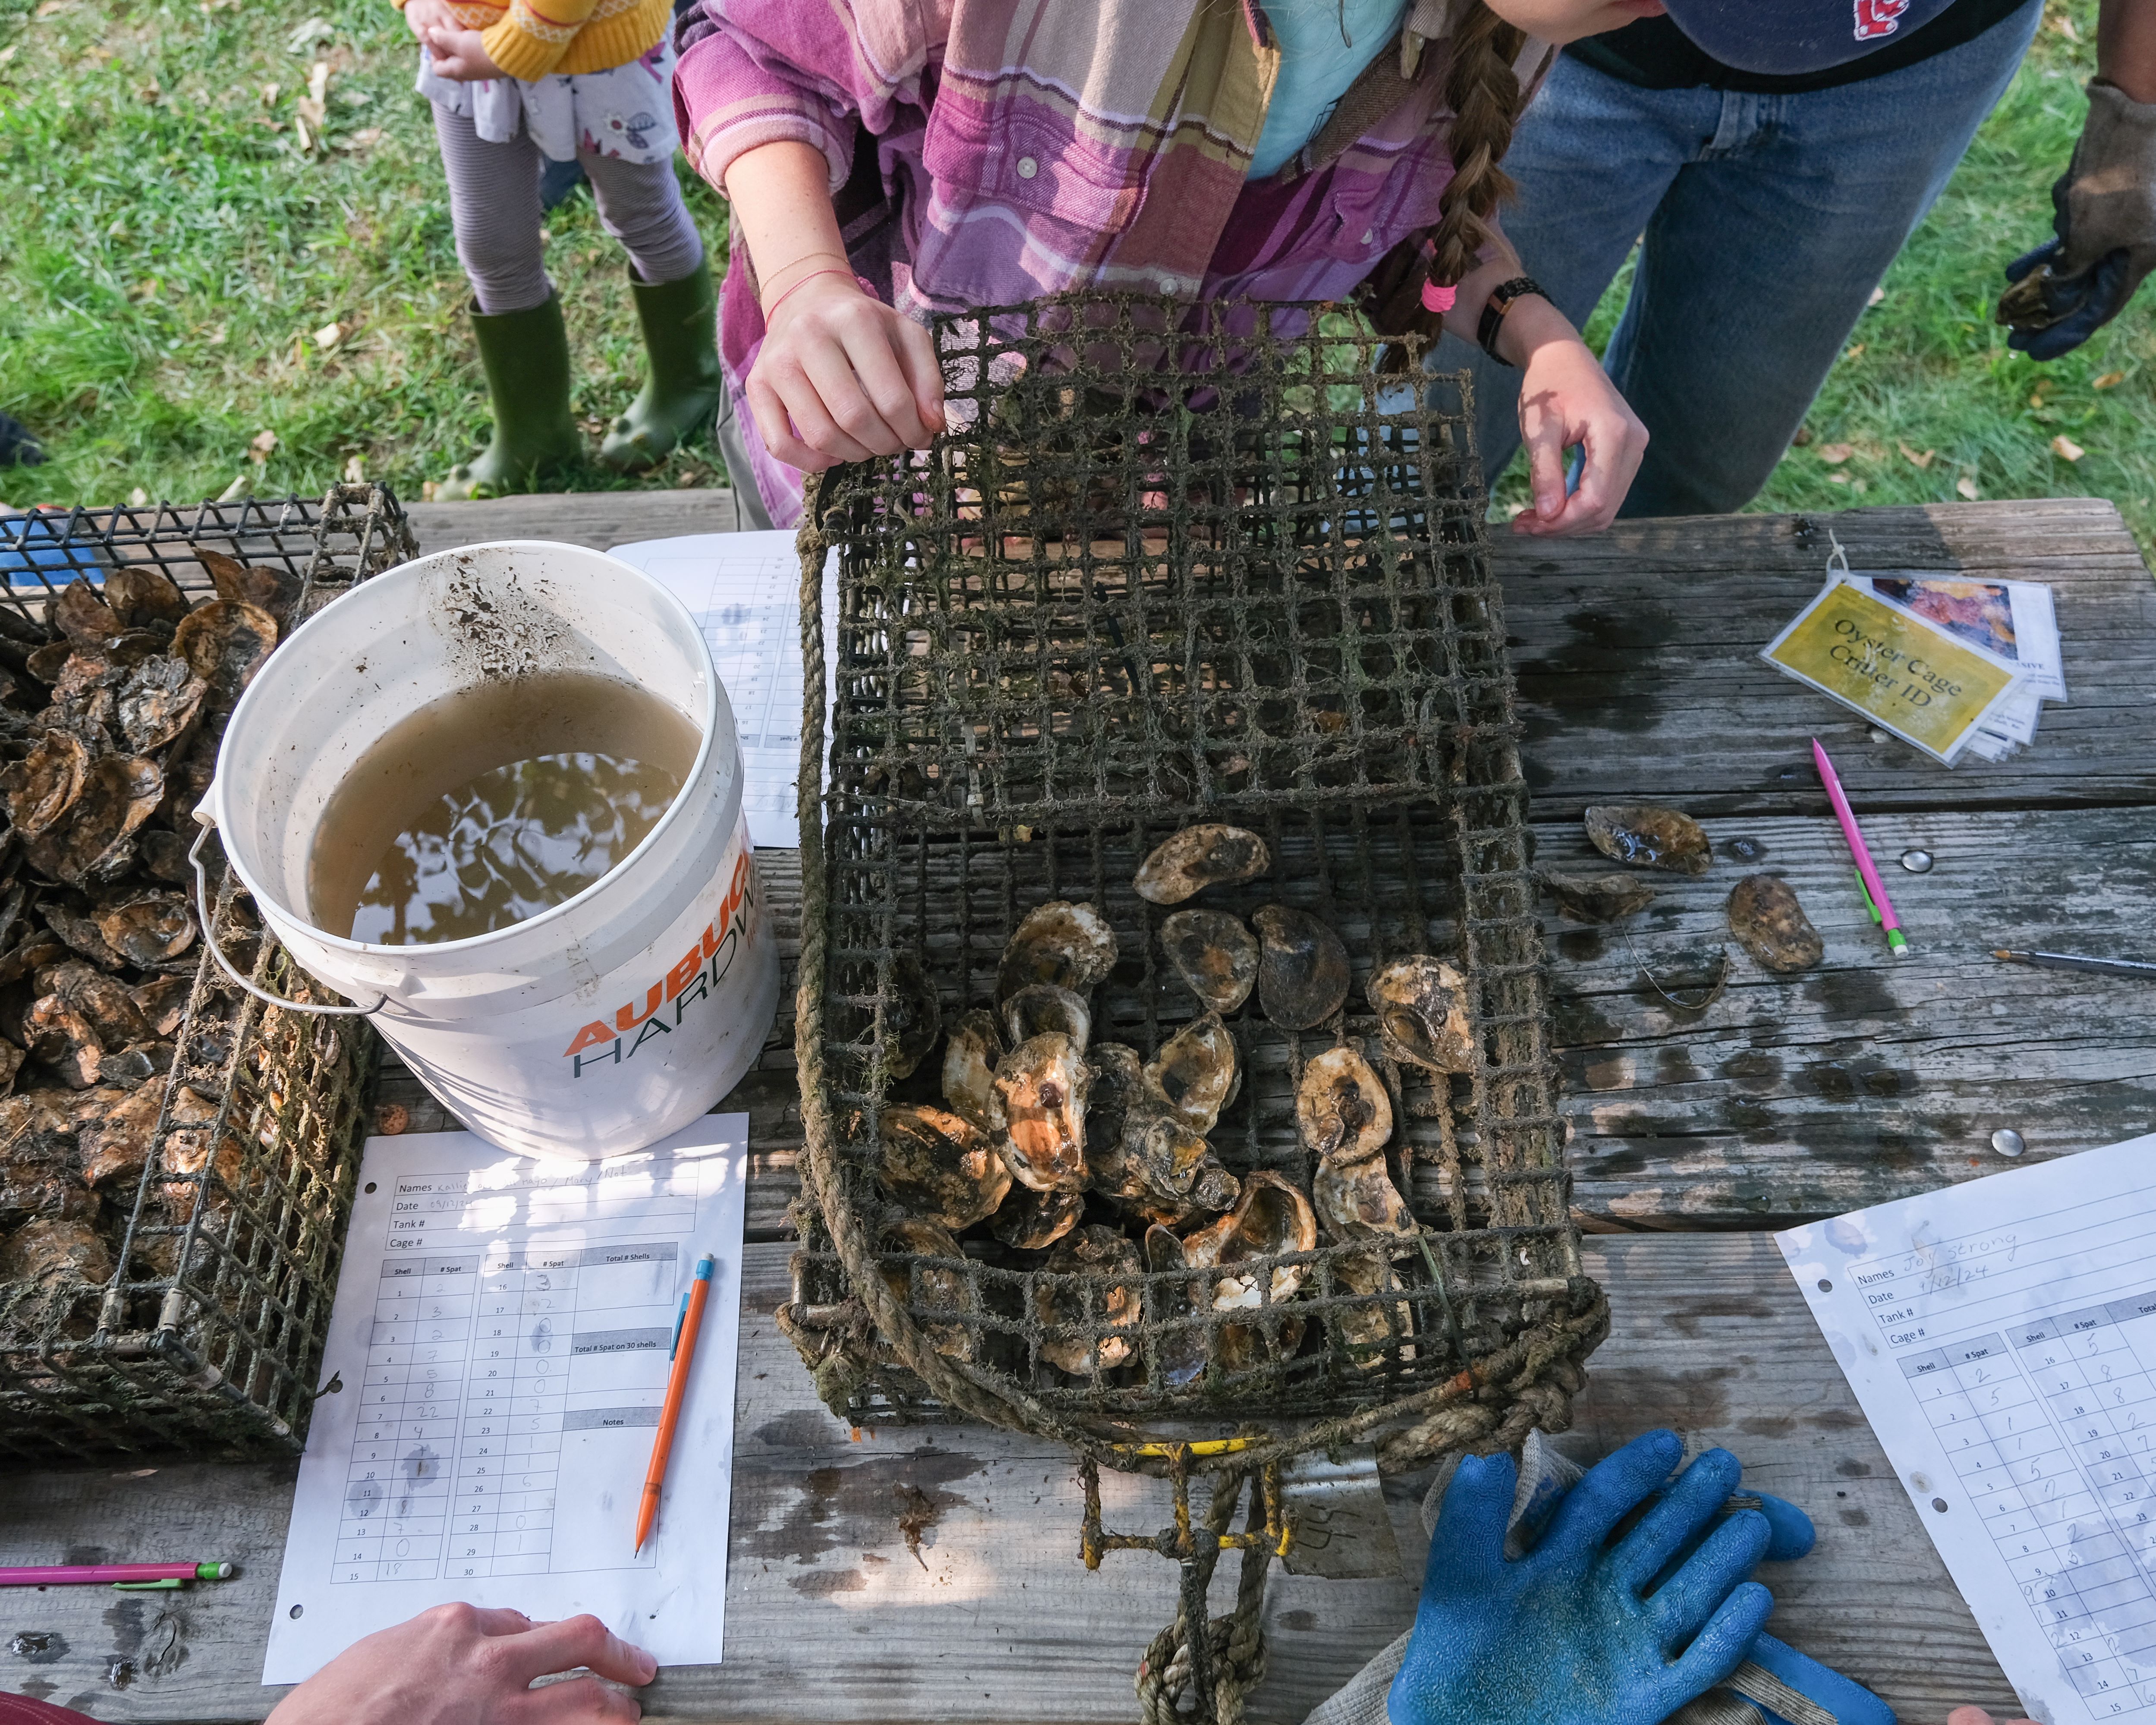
(1771, 157)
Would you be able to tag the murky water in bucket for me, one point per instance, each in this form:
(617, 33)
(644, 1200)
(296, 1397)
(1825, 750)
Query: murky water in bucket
(493, 805)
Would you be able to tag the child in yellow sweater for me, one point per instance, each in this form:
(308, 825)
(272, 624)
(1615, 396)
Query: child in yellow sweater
(589, 81)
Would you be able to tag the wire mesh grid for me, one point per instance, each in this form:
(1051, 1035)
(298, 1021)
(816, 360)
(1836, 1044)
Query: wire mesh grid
(1104, 609)
(207, 1337)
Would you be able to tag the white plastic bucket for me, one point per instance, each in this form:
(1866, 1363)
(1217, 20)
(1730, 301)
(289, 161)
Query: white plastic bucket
(598, 1026)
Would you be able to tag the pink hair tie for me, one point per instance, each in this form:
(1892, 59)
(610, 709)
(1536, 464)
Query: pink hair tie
(1439, 300)
(860, 281)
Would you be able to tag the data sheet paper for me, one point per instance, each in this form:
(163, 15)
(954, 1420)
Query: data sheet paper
(501, 1333)
(2001, 1338)
(744, 590)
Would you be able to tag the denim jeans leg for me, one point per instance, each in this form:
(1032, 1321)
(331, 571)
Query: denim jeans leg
(1763, 254)
(1592, 158)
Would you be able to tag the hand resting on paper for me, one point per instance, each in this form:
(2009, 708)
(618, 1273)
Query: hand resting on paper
(459, 1665)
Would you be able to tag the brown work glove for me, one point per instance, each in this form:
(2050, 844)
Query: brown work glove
(2104, 214)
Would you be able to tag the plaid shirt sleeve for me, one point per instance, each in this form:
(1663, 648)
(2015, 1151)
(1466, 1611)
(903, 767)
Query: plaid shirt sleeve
(756, 72)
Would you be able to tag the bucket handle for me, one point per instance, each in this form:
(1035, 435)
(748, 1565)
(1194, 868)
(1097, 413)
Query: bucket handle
(209, 939)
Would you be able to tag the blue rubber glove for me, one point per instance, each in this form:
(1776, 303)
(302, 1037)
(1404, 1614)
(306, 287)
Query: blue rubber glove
(1570, 1634)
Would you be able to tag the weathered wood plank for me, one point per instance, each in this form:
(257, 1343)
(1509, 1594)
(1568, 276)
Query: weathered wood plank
(599, 518)
(1637, 650)
(831, 1617)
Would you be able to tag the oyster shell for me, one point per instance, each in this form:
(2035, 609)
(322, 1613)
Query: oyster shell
(940, 1166)
(158, 702)
(163, 1002)
(1358, 1200)
(1215, 954)
(927, 1288)
(103, 1000)
(48, 1252)
(115, 1148)
(1421, 1004)
(970, 1053)
(1372, 1333)
(912, 1016)
(1118, 1078)
(1271, 1216)
(1197, 1071)
(1067, 945)
(1204, 855)
(1607, 897)
(225, 642)
(44, 785)
(1178, 1352)
(1648, 837)
(1042, 1006)
(1088, 1302)
(1342, 1107)
(140, 594)
(89, 841)
(1302, 968)
(78, 613)
(1032, 1220)
(147, 929)
(1042, 1085)
(1770, 924)
(1168, 1167)
(53, 1032)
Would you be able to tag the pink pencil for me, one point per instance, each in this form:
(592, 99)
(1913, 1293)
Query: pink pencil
(99, 1574)
(1874, 889)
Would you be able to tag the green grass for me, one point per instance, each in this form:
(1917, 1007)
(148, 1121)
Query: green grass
(169, 251)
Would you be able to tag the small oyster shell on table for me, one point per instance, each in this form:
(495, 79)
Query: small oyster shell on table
(1302, 968)
(1648, 837)
(1342, 1107)
(1069, 946)
(1089, 1305)
(1197, 1071)
(1040, 1006)
(970, 1053)
(1215, 954)
(940, 1166)
(1031, 1220)
(1770, 924)
(1042, 1085)
(1208, 854)
(1608, 896)
(1421, 1004)
(928, 1288)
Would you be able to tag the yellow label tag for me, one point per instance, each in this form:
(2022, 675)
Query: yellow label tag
(1915, 679)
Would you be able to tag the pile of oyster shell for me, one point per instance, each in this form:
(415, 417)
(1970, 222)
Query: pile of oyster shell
(111, 715)
(1075, 1154)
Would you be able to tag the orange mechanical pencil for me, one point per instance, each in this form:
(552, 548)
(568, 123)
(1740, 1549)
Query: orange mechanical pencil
(677, 1385)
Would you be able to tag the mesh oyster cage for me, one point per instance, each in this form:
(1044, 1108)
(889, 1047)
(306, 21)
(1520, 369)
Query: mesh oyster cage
(1180, 564)
(207, 1337)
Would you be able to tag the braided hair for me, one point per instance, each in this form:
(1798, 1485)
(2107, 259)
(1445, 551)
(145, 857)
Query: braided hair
(1483, 92)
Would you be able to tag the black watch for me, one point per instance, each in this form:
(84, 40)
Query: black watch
(1503, 298)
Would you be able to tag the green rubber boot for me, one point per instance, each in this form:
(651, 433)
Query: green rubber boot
(680, 336)
(525, 357)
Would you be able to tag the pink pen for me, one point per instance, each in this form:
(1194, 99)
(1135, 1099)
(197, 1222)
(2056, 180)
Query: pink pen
(1874, 889)
(115, 1574)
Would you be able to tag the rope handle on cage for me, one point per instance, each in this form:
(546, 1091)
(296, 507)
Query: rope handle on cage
(1449, 1416)
(209, 939)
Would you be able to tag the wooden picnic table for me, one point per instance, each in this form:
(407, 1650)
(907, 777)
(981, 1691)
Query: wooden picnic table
(1692, 1135)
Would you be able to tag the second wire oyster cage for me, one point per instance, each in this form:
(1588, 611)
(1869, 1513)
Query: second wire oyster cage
(1275, 1134)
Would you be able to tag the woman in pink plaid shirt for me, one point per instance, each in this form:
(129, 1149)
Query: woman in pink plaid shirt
(889, 159)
